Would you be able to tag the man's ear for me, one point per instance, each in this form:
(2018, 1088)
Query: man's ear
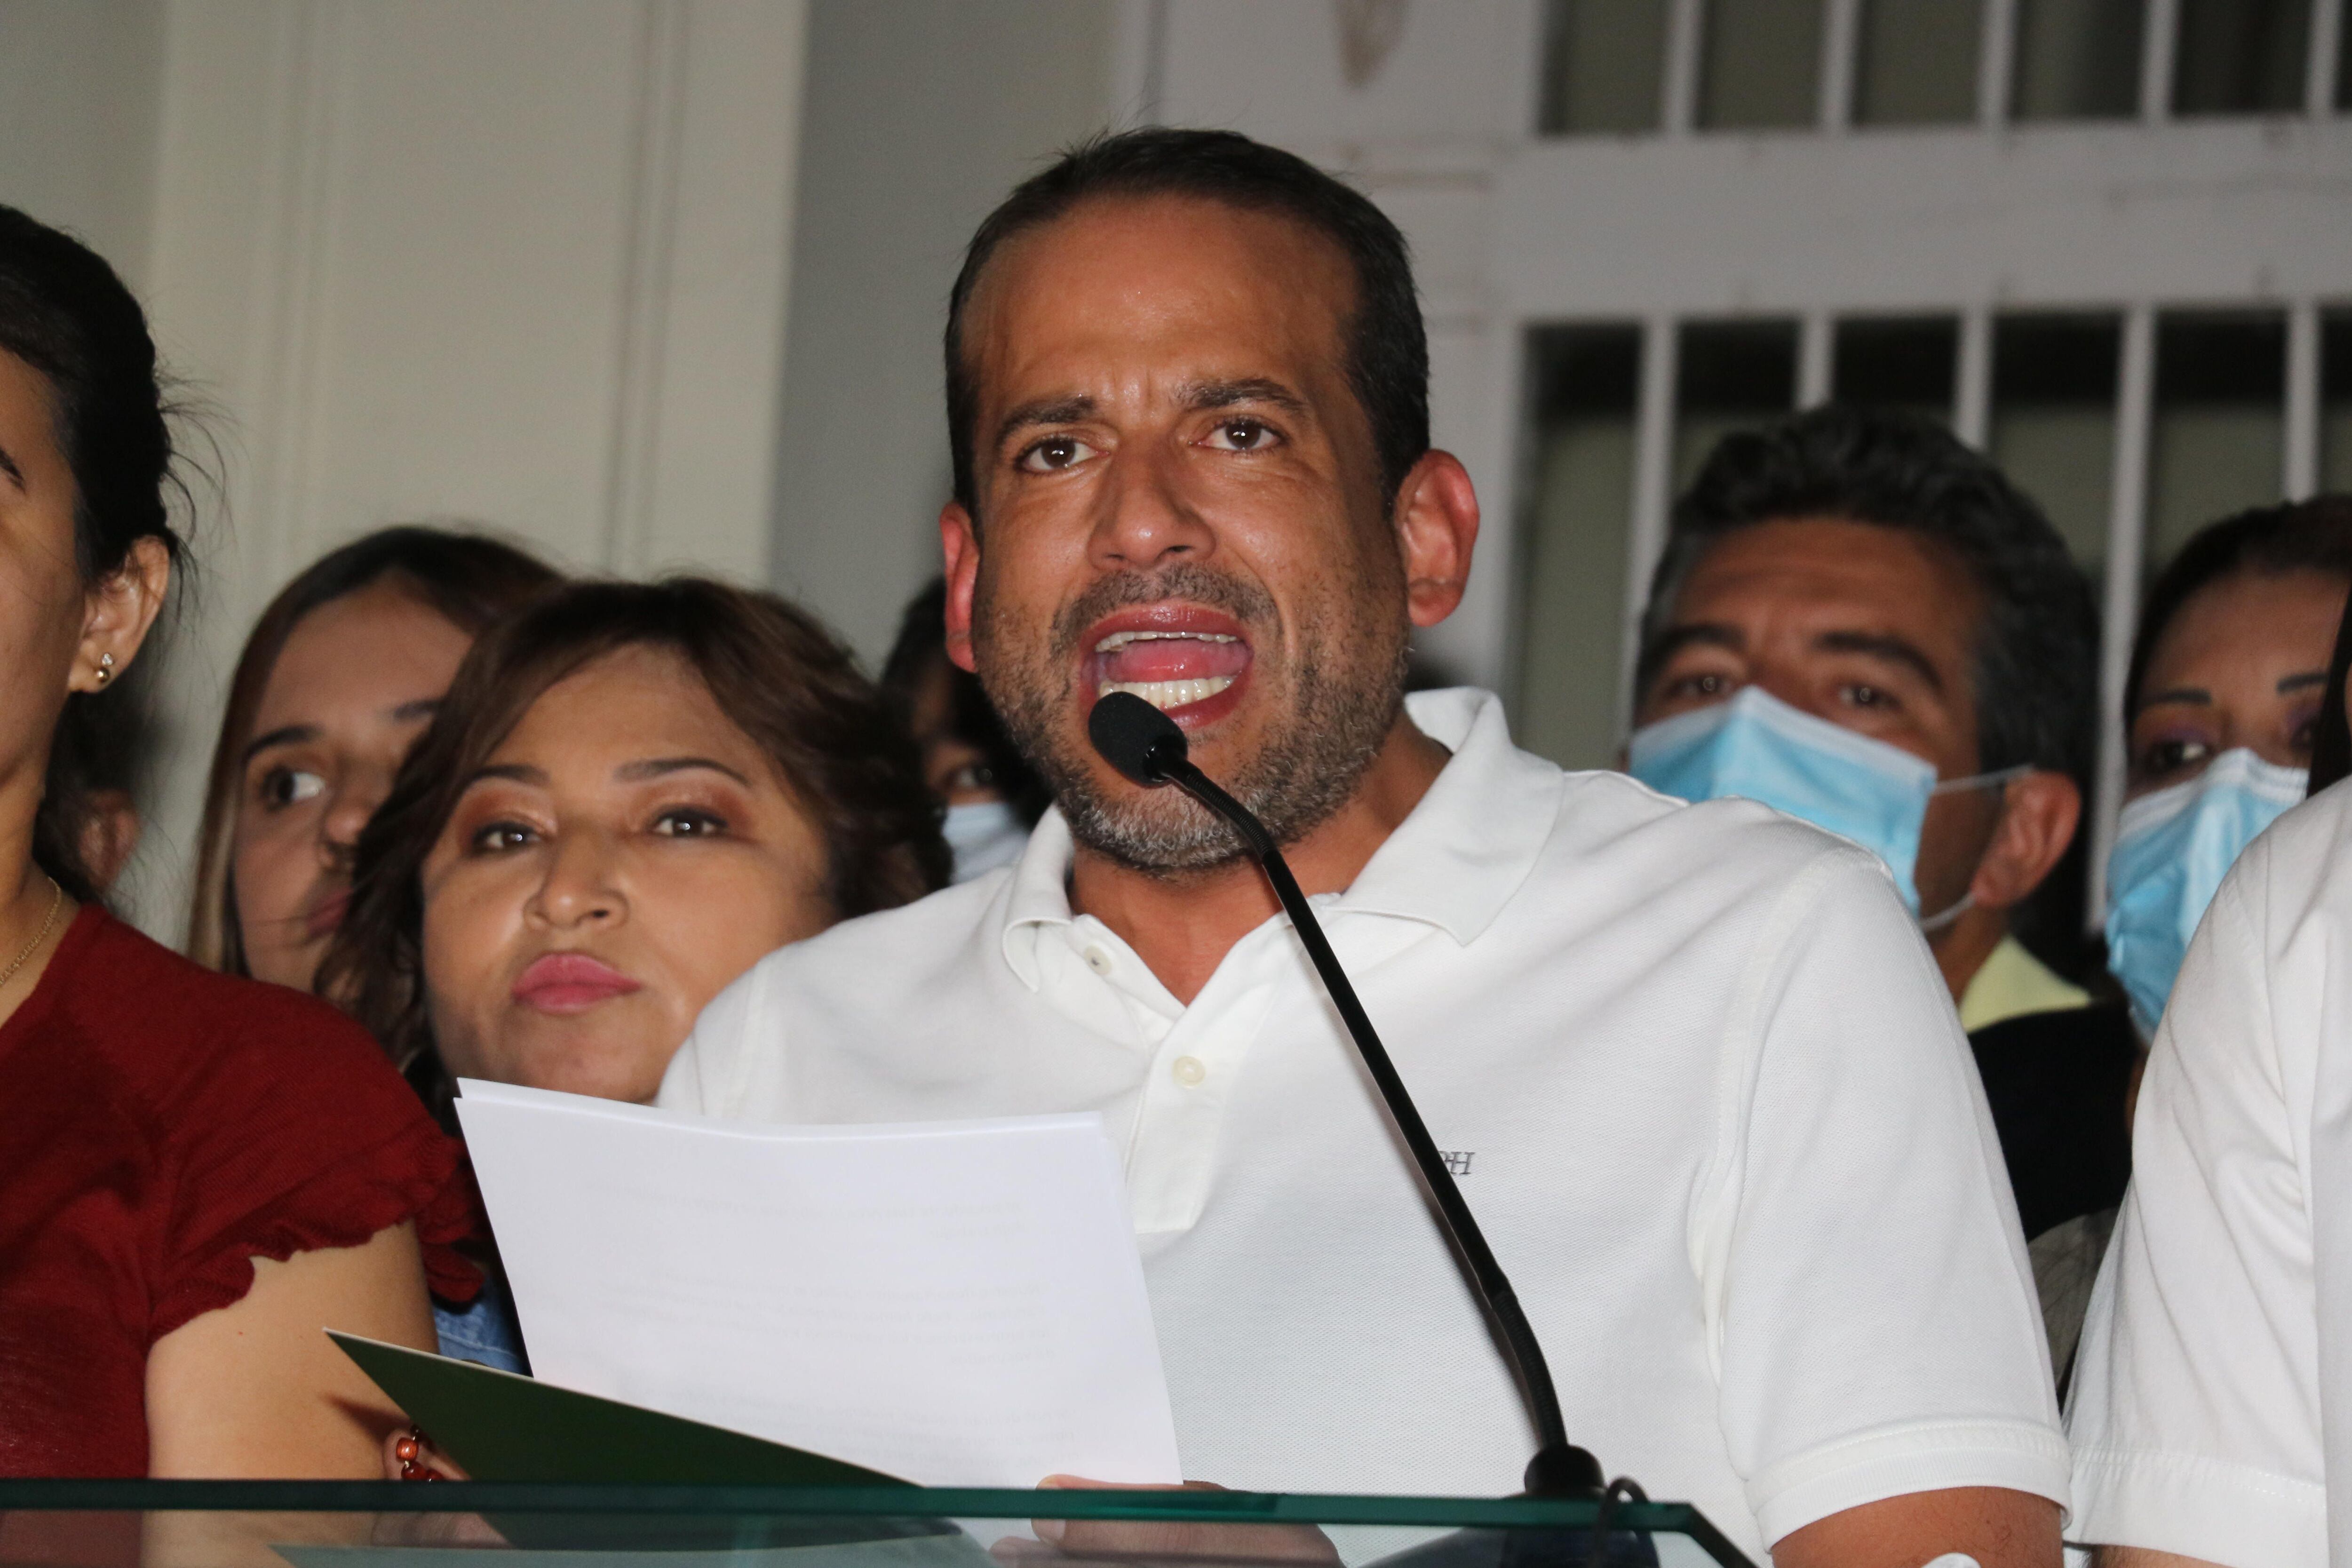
(960, 544)
(1437, 528)
(2038, 814)
(117, 613)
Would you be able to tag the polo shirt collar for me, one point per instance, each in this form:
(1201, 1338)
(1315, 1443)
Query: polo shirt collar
(1452, 863)
(1472, 839)
(1038, 897)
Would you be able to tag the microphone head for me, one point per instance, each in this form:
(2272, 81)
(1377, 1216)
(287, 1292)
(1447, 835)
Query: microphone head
(1139, 740)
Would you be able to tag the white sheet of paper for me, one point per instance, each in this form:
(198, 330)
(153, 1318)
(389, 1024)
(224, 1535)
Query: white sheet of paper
(960, 1303)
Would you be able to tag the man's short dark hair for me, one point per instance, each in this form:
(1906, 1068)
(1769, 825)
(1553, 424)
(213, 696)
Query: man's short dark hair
(2037, 654)
(1387, 352)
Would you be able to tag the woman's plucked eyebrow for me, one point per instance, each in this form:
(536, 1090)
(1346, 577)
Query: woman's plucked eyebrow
(2187, 694)
(512, 773)
(2304, 682)
(284, 735)
(656, 767)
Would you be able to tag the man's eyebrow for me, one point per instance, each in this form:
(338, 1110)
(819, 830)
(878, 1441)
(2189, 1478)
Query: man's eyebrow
(1207, 395)
(2304, 682)
(1702, 634)
(656, 767)
(1044, 411)
(284, 735)
(2190, 694)
(1885, 646)
(1693, 634)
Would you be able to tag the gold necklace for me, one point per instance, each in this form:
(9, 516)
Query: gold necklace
(56, 901)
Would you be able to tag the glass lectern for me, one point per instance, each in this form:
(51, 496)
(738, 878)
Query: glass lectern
(480, 1524)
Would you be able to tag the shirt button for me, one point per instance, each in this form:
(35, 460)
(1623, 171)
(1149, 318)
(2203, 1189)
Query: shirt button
(1189, 1070)
(1099, 961)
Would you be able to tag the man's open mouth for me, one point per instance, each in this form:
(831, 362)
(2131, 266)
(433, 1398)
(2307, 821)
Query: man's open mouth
(1177, 658)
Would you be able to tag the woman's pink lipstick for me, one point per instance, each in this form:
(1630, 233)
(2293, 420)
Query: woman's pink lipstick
(570, 983)
(327, 914)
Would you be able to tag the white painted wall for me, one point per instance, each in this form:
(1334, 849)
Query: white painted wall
(524, 263)
(920, 115)
(79, 92)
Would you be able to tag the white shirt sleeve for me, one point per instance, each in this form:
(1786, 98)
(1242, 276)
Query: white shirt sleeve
(703, 1077)
(1859, 1252)
(2195, 1411)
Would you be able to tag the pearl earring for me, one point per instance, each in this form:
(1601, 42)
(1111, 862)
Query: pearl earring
(105, 669)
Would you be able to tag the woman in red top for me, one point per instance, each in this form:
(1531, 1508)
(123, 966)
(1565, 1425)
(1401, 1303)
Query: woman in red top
(198, 1174)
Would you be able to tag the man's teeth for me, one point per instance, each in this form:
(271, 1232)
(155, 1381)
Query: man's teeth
(1166, 694)
(1120, 639)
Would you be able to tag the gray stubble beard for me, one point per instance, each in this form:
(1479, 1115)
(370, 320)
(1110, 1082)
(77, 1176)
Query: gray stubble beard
(1314, 760)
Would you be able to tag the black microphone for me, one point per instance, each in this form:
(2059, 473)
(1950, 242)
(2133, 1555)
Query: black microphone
(1149, 747)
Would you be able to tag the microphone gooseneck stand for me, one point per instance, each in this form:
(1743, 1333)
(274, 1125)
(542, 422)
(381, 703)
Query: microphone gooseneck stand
(1148, 747)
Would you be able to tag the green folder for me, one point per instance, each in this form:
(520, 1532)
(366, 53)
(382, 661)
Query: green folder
(502, 1427)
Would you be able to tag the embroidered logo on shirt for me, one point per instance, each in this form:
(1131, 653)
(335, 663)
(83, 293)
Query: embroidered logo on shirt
(1459, 1160)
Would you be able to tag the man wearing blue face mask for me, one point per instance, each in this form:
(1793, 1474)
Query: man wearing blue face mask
(1857, 620)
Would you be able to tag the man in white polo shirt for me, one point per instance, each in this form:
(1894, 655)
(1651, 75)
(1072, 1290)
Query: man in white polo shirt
(1693, 1065)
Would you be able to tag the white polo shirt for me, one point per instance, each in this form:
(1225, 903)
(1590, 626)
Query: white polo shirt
(2217, 1349)
(1705, 1087)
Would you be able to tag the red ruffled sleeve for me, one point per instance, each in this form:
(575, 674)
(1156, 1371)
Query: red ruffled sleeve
(335, 1199)
(279, 1127)
(168, 1125)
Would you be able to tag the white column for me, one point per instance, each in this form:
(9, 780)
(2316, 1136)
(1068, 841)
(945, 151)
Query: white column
(657, 114)
(1680, 106)
(2126, 530)
(2162, 24)
(2319, 66)
(1816, 343)
(1841, 43)
(2301, 480)
(1994, 69)
(1654, 477)
(1972, 385)
(1139, 46)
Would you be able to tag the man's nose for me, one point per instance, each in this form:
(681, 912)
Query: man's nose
(1145, 521)
(580, 886)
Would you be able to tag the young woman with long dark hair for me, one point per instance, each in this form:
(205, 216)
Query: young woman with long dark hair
(205, 1171)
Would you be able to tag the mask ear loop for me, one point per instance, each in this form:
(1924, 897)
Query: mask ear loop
(1943, 918)
(1999, 778)
(1982, 781)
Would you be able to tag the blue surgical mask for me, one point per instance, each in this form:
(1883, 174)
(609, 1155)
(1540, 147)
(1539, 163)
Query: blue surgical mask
(1758, 748)
(983, 834)
(2172, 850)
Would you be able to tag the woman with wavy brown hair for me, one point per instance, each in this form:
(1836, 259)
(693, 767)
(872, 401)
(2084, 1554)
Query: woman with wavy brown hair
(631, 793)
(336, 679)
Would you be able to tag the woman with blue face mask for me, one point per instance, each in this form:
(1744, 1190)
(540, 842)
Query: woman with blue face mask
(2226, 677)
(992, 797)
